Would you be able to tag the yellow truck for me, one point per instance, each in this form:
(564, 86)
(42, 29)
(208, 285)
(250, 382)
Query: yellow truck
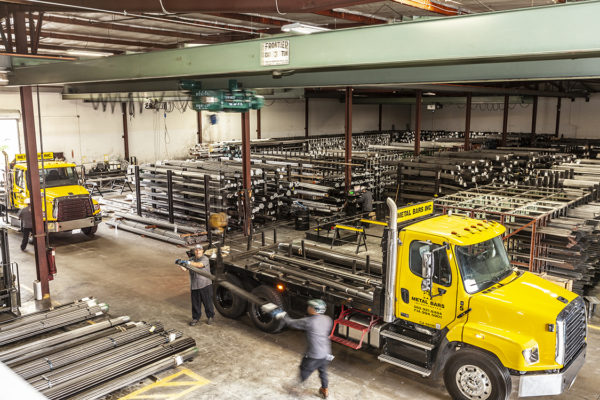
(444, 302)
(68, 207)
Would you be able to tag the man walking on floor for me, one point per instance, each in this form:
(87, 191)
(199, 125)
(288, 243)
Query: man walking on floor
(201, 287)
(318, 350)
(24, 215)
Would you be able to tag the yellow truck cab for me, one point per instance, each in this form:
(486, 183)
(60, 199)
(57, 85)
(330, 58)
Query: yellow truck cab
(459, 305)
(69, 206)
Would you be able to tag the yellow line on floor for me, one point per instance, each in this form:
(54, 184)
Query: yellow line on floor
(594, 327)
(188, 386)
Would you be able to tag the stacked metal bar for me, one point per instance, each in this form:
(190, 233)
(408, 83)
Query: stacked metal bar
(549, 230)
(90, 359)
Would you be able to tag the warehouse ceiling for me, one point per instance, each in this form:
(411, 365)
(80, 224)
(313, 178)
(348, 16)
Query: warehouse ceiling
(106, 27)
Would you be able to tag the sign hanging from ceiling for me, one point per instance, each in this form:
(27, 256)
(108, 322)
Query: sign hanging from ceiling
(275, 52)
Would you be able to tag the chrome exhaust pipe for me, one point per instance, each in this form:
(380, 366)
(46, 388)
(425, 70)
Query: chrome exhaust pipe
(391, 267)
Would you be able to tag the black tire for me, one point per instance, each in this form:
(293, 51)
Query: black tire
(228, 304)
(90, 231)
(263, 321)
(480, 372)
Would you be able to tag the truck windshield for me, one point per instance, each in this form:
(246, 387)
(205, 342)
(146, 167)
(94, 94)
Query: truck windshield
(483, 264)
(61, 176)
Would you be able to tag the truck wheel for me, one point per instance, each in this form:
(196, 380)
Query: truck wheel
(475, 375)
(90, 231)
(263, 321)
(228, 304)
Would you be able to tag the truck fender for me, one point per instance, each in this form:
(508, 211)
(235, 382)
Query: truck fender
(445, 350)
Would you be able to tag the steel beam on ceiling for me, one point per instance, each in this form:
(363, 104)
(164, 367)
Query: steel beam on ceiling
(362, 19)
(429, 51)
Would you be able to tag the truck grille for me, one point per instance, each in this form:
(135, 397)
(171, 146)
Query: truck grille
(575, 328)
(72, 208)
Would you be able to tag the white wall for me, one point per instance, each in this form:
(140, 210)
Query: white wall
(579, 119)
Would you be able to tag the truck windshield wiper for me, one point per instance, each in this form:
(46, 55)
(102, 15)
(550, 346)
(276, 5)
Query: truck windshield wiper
(485, 284)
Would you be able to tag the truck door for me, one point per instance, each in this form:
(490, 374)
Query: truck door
(19, 190)
(435, 310)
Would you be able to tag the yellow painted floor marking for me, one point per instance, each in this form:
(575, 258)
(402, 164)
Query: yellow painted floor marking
(594, 327)
(194, 382)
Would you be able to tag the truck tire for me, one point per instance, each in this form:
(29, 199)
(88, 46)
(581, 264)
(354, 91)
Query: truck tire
(228, 304)
(90, 231)
(472, 374)
(263, 321)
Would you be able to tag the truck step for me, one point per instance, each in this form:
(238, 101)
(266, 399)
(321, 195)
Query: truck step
(353, 325)
(424, 372)
(347, 342)
(408, 340)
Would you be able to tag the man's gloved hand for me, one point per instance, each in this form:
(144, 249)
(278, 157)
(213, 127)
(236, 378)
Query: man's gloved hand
(272, 309)
(182, 262)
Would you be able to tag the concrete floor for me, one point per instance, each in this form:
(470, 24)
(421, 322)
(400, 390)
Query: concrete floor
(137, 277)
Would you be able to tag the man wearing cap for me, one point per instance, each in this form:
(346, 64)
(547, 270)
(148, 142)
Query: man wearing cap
(201, 288)
(24, 215)
(318, 350)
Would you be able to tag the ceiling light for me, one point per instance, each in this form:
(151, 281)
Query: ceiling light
(428, 94)
(304, 29)
(85, 53)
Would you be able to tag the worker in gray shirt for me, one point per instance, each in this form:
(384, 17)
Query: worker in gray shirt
(201, 287)
(24, 215)
(318, 350)
(366, 201)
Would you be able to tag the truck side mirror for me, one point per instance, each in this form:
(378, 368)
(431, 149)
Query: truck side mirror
(427, 271)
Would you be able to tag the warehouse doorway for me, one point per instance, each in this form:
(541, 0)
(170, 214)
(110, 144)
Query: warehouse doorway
(9, 143)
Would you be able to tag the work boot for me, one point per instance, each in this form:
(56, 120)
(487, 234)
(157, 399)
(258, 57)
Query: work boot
(324, 392)
(193, 322)
(210, 321)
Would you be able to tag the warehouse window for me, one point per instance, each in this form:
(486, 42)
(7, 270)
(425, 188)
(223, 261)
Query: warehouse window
(442, 274)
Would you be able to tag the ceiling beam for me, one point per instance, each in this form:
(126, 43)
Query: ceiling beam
(105, 40)
(190, 6)
(252, 18)
(432, 6)
(324, 59)
(362, 19)
(130, 28)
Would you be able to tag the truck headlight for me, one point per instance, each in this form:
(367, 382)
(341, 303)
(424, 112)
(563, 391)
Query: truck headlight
(531, 355)
(560, 342)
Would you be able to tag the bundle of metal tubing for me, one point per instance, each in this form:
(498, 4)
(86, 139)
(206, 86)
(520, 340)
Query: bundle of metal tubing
(68, 356)
(136, 376)
(79, 368)
(51, 323)
(24, 352)
(93, 375)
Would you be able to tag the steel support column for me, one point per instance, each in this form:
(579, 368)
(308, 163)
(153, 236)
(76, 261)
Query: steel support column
(534, 118)
(306, 116)
(557, 127)
(246, 180)
(505, 121)
(32, 173)
(468, 122)
(348, 141)
(418, 105)
(380, 116)
(199, 126)
(125, 131)
(258, 127)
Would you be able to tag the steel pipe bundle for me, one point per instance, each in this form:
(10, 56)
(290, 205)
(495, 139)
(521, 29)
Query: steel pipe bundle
(80, 368)
(85, 350)
(92, 376)
(19, 353)
(136, 375)
(48, 324)
(346, 260)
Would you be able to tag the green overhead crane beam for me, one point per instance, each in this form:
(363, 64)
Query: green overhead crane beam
(554, 42)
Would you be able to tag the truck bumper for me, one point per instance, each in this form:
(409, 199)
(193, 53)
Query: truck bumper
(62, 226)
(551, 384)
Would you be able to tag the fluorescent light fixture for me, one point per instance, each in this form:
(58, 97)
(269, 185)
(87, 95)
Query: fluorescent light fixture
(304, 29)
(85, 53)
(428, 94)
(194, 44)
